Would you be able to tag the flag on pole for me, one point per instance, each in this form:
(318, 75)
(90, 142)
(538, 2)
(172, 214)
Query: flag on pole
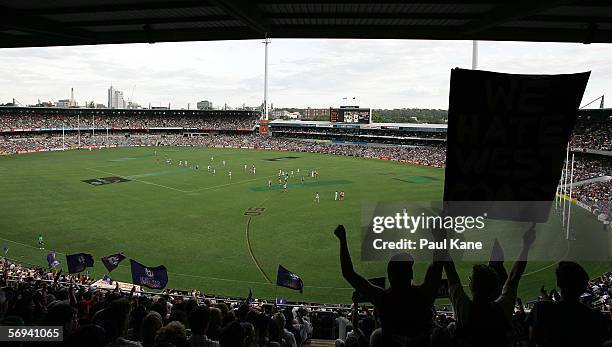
(78, 262)
(496, 261)
(150, 277)
(107, 279)
(288, 279)
(249, 299)
(497, 253)
(112, 261)
(52, 260)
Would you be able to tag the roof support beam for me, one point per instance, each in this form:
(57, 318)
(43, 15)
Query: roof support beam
(370, 2)
(509, 12)
(369, 15)
(120, 7)
(151, 21)
(426, 15)
(247, 12)
(322, 31)
(22, 21)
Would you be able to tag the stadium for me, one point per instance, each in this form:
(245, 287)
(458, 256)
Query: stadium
(232, 219)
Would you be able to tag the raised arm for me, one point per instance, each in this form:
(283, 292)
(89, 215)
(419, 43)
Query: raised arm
(360, 284)
(433, 276)
(451, 272)
(355, 320)
(72, 295)
(521, 262)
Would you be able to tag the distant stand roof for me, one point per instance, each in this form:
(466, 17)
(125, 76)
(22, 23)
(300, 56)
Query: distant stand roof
(85, 22)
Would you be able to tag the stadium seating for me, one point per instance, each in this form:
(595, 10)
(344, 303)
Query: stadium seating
(36, 296)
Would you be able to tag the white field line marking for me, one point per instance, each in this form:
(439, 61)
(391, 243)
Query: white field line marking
(141, 181)
(180, 190)
(229, 184)
(567, 250)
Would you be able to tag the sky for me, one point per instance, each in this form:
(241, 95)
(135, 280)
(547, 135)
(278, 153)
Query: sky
(302, 73)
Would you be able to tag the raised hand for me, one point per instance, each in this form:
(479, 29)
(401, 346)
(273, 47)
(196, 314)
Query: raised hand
(340, 232)
(529, 236)
(543, 292)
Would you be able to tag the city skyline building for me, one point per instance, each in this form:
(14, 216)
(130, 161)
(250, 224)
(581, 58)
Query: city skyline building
(204, 105)
(115, 98)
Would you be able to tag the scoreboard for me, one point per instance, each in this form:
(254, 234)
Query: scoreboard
(350, 115)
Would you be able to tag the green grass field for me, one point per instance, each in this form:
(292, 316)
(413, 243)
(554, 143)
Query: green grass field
(194, 223)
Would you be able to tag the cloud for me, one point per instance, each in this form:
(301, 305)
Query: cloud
(303, 73)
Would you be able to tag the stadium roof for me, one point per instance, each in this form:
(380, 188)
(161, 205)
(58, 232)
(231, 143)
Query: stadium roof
(27, 23)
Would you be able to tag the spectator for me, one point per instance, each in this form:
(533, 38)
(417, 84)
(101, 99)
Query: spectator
(405, 309)
(173, 334)
(117, 321)
(567, 322)
(286, 336)
(149, 327)
(199, 319)
(485, 320)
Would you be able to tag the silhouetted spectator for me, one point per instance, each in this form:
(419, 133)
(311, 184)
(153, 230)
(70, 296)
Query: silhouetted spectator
(567, 322)
(199, 318)
(485, 320)
(151, 323)
(405, 309)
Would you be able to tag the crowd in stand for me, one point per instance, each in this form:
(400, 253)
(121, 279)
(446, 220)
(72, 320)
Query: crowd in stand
(232, 122)
(591, 167)
(593, 134)
(597, 195)
(588, 134)
(96, 317)
(431, 155)
(364, 134)
(577, 314)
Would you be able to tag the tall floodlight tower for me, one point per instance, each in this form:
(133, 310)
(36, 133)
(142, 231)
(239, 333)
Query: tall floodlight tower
(474, 55)
(265, 103)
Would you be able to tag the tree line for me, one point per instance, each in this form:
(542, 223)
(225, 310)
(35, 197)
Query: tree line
(410, 115)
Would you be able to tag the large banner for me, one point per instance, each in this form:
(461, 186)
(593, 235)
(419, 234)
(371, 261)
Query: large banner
(507, 140)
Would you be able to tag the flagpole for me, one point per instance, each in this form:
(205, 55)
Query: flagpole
(79, 129)
(557, 196)
(93, 130)
(569, 207)
(276, 296)
(562, 201)
(565, 181)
